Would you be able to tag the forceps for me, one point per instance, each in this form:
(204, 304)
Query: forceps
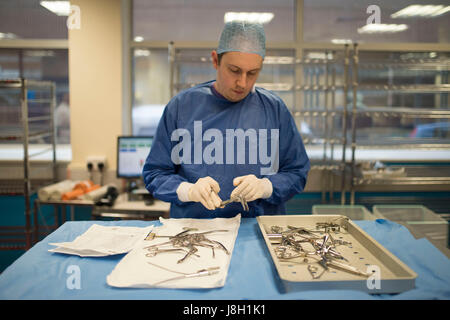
(236, 199)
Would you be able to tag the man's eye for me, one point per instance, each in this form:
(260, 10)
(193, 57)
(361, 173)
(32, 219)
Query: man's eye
(235, 70)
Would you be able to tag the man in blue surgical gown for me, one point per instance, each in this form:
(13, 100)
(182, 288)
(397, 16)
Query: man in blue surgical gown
(227, 138)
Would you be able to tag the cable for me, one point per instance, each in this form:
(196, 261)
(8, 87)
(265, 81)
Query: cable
(100, 167)
(90, 167)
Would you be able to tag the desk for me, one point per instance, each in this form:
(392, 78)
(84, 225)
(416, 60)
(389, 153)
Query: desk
(39, 274)
(137, 210)
(122, 209)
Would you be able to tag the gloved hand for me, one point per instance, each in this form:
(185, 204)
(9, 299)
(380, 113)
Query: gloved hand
(251, 188)
(205, 191)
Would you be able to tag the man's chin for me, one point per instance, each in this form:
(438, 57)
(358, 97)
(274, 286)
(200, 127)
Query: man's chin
(235, 97)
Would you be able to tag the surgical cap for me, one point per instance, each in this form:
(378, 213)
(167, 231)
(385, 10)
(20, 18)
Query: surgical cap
(243, 37)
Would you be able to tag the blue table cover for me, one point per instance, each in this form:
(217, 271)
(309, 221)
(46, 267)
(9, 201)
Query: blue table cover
(39, 274)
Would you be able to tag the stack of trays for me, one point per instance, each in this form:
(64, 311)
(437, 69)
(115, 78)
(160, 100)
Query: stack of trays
(421, 221)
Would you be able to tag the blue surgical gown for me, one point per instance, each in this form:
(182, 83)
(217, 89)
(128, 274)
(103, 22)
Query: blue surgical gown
(261, 109)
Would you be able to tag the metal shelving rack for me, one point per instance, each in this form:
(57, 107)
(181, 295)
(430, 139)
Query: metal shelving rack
(419, 175)
(11, 235)
(318, 110)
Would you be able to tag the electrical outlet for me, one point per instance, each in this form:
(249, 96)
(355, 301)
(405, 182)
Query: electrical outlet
(95, 160)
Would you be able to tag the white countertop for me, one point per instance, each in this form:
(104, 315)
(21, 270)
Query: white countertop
(14, 152)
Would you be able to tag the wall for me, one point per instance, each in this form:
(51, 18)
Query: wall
(95, 81)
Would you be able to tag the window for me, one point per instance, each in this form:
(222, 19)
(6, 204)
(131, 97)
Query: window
(151, 84)
(29, 20)
(333, 21)
(35, 64)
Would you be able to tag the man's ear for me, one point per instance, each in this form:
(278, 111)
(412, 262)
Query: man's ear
(215, 59)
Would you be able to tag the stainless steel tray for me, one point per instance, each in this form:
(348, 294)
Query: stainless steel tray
(391, 275)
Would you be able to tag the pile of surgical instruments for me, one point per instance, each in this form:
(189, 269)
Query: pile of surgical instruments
(318, 244)
(185, 242)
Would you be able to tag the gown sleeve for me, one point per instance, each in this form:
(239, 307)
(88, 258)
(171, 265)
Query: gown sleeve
(160, 173)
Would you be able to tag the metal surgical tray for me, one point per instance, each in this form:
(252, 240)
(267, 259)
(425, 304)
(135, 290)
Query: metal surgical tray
(363, 253)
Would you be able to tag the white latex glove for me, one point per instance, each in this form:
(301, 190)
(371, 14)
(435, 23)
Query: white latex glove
(205, 191)
(251, 188)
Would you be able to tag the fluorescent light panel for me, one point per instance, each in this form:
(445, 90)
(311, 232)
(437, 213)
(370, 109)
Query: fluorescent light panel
(382, 28)
(256, 17)
(278, 60)
(60, 8)
(7, 35)
(341, 41)
(141, 53)
(319, 55)
(423, 11)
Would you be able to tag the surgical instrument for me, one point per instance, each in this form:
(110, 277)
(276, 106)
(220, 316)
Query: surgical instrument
(200, 273)
(347, 267)
(313, 271)
(236, 199)
(154, 251)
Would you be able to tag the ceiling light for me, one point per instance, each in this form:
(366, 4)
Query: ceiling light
(138, 39)
(39, 53)
(341, 41)
(141, 53)
(278, 60)
(255, 17)
(7, 35)
(424, 11)
(382, 28)
(60, 8)
(319, 55)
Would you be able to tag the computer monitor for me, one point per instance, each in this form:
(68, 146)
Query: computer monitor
(132, 151)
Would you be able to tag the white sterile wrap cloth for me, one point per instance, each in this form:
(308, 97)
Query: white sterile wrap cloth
(56, 190)
(100, 241)
(136, 270)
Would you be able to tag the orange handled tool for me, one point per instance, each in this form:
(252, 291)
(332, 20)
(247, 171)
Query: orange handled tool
(80, 189)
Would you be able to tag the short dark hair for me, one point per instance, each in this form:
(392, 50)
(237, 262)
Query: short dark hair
(219, 57)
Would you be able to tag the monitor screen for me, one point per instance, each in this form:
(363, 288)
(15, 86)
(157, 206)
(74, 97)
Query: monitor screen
(131, 155)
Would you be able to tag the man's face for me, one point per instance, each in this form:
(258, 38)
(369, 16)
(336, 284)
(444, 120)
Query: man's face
(236, 73)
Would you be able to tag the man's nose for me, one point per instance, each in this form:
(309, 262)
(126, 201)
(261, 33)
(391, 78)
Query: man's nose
(242, 80)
